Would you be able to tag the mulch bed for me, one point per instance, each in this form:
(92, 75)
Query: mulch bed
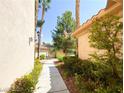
(69, 81)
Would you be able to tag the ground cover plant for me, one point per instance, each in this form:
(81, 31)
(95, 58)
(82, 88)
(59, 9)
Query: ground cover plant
(42, 56)
(27, 83)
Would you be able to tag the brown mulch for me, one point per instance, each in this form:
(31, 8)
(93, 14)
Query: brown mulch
(69, 81)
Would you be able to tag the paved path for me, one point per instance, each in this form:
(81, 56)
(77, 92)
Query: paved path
(50, 80)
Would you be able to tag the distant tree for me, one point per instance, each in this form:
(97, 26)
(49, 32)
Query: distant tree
(45, 5)
(77, 16)
(36, 11)
(36, 16)
(77, 13)
(62, 33)
(106, 35)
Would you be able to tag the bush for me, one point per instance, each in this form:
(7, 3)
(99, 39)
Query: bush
(42, 56)
(84, 86)
(69, 63)
(60, 58)
(22, 85)
(92, 77)
(74, 65)
(90, 86)
(36, 71)
(27, 83)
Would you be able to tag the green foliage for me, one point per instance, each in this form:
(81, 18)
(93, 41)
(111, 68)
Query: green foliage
(90, 86)
(36, 71)
(71, 64)
(60, 58)
(92, 77)
(106, 34)
(102, 73)
(74, 65)
(42, 56)
(61, 34)
(45, 4)
(40, 23)
(27, 83)
(22, 85)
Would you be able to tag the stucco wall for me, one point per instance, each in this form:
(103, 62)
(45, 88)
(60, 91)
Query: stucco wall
(84, 48)
(16, 27)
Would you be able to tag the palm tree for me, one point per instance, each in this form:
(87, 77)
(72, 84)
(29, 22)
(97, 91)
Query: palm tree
(36, 16)
(36, 11)
(77, 13)
(77, 9)
(45, 5)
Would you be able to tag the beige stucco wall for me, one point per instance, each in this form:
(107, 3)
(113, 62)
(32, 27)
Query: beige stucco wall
(84, 48)
(16, 27)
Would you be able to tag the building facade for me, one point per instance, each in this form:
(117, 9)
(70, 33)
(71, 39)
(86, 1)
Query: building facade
(17, 21)
(114, 7)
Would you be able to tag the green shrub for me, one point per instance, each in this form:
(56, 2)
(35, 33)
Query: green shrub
(92, 77)
(36, 71)
(98, 81)
(27, 83)
(42, 56)
(84, 86)
(22, 85)
(60, 58)
(90, 86)
(74, 65)
(69, 63)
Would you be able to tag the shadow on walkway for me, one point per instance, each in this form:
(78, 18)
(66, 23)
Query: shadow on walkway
(50, 80)
(57, 83)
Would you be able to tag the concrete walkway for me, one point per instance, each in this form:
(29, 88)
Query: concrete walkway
(50, 80)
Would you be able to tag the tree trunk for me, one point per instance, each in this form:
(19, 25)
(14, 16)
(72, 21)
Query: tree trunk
(112, 60)
(36, 16)
(77, 22)
(36, 11)
(39, 40)
(77, 13)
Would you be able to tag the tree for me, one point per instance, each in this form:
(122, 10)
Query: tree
(36, 11)
(45, 5)
(77, 13)
(77, 9)
(36, 16)
(106, 35)
(62, 39)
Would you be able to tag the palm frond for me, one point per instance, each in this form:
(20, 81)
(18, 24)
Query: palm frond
(40, 23)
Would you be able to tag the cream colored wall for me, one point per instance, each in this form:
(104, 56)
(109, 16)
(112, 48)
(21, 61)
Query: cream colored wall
(16, 26)
(84, 48)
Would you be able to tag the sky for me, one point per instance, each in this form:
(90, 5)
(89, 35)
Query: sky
(88, 8)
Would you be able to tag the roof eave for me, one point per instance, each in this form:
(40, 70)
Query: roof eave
(85, 26)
